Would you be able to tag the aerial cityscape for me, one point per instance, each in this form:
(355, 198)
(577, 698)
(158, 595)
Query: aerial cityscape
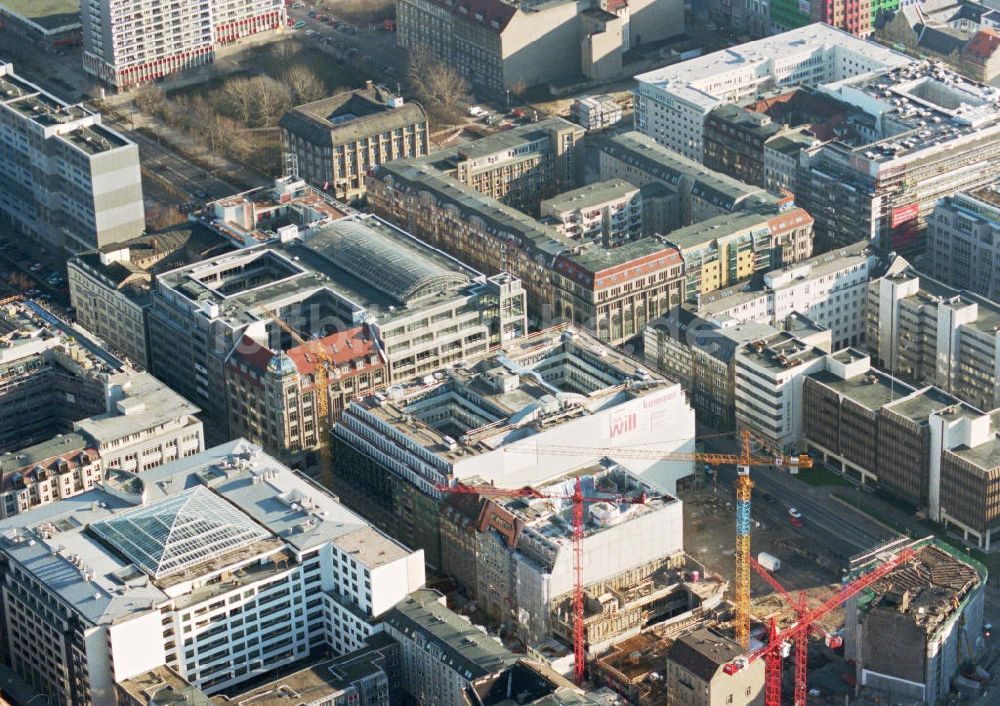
(499, 352)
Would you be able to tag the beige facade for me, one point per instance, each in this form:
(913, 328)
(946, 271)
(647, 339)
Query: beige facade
(695, 677)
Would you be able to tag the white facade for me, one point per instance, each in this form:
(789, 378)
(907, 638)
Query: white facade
(127, 42)
(830, 289)
(671, 103)
(598, 112)
(277, 567)
(608, 212)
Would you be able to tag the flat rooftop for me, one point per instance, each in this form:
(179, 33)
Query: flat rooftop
(921, 404)
(509, 139)
(693, 80)
(781, 352)
(872, 390)
(919, 107)
(498, 398)
(48, 15)
(933, 293)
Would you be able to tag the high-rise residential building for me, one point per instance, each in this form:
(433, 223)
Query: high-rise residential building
(830, 289)
(127, 43)
(671, 103)
(423, 310)
(111, 288)
(66, 180)
(337, 141)
(931, 334)
(219, 567)
(472, 420)
(963, 241)
(502, 46)
(144, 425)
(936, 133)
(609, 212)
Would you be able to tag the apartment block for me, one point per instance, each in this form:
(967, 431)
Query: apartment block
(66, 180)
(53, 27)
(125, 44)
(963, 241)
(671, 103)
(48, 379)
(144, 425)
(268, 569)
(831, 290)
(733, 142)
(937, 133)
(854, 16)
(337, 141)
(609, 212)
(111, 288)
(519, 167)
(931, 334)
(502, 46)
(472, 421)
(424, 310)
(921, 444)
(695, 673)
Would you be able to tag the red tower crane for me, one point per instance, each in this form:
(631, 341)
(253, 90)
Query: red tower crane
(772, 651)
(578, 499)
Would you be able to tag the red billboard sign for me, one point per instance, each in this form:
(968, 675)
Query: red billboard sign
(904, 214)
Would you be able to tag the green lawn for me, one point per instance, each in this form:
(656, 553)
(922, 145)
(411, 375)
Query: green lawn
(821, 475)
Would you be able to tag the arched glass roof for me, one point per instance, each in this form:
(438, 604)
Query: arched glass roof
(392, 268)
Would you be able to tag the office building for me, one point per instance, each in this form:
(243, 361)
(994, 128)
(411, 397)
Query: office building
(424, 309)
(781, 158)
(695, 675)
(701, 355)
(912, 637)
(124, 46)
(218, 566)
(111, 288)
(144, 425)
(336, 141)
(930, 334)
(963, 241)
(596, 112)
(831, 290)
(48, 377)
(501, 46)
(66, 180)
(519, 167)
(933, 133)
(609, 212)
(921, 444)
(671, 103)
(768, 390)
(484, 418)
(733, 142)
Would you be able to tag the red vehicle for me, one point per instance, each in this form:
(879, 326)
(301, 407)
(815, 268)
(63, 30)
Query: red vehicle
(795, 517)
(389, 25)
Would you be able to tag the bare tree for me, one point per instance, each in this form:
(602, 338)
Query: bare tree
(303, 83)
(443, 91)
(271, 99)
(238, 96)
(149, 98)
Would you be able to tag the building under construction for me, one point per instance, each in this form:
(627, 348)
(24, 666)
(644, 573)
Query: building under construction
(913, 630)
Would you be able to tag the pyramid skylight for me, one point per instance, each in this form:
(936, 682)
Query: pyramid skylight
(189, 528)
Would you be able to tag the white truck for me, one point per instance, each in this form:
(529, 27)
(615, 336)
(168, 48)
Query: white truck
(769, 561)
(476, 111)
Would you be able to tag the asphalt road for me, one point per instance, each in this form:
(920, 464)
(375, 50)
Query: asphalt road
(842, 530)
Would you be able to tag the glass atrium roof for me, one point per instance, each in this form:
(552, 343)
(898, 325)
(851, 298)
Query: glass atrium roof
(189, 528)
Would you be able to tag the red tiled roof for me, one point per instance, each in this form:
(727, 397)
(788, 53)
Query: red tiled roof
(614, 5)
(254, 354)
(984, 44)
(342, 347)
